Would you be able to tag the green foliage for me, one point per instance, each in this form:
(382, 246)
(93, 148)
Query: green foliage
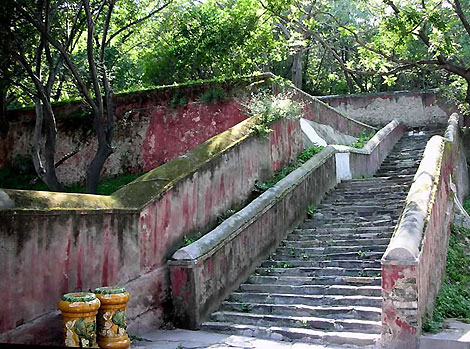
(266, 108)
(225, 215)
(466, 205)
(177, 100)
(200, 40)
(453, 300)
(362, 139)
(26, 179)
(213, 95)
(304, 156)
(311, 210)
(188, 241)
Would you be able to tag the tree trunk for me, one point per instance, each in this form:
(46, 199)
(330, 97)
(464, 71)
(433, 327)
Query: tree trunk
(297, 69)
(466, 118)
(49, 154)
(46, 172)
(95, 167)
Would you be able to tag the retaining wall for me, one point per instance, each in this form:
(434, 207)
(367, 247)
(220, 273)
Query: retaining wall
(413, 109)
(415, 260)
(149, 130)
(53, 243)
(205, 272)
(151, 127)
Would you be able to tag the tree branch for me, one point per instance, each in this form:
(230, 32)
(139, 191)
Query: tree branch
(458, 10)
(137, 21)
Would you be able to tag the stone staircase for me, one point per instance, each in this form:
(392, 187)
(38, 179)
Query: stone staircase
(323, 282)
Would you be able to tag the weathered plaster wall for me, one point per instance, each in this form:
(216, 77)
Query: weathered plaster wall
(205, 272)
(52, 243)
(414, 263)
(320, 112)
(146, 136)
(413, 109)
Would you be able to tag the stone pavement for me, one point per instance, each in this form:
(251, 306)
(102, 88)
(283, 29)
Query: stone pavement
(185, 339)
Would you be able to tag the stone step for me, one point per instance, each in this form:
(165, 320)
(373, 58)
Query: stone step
(364, 255)
(313, 280)
(345, 263)
(350, 199)
(360, 229)
(349, 214)
(350, 325)
(360, 223)
(300, 252)
(362, 313)
(323, 281)
(324, 274)
(343, 290)
(280, 298)
(336, 242)
(293, 334)
(361, 205)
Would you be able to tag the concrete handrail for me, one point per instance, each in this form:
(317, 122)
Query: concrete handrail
(213, 240)
(207, 244)
(406, 240)
(326, 106)
(414, 263)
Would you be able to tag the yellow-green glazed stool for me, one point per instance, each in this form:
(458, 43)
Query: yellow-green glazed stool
(112, 317)
(79, 319)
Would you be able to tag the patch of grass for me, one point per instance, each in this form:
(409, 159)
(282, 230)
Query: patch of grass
(453, 300)
(27, 180)
(362, 139)
(177, 100)
(303, 157)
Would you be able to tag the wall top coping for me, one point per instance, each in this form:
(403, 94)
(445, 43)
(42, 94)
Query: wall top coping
(405, 244)
(381, 94)
(207, 245)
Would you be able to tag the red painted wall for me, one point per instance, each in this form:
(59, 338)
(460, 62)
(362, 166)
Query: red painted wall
(145, 136)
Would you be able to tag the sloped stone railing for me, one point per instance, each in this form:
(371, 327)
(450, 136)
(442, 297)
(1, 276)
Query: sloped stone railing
(205, 272)
(414, 262)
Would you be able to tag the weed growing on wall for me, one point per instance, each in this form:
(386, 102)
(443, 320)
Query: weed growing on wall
(213, 95)
(304, 156)
(362, 140)
(453, 300)
(266, 108)
(178, 100)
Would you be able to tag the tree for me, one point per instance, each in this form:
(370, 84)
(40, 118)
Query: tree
(58, 26)
(210, 39)
(387, 37)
